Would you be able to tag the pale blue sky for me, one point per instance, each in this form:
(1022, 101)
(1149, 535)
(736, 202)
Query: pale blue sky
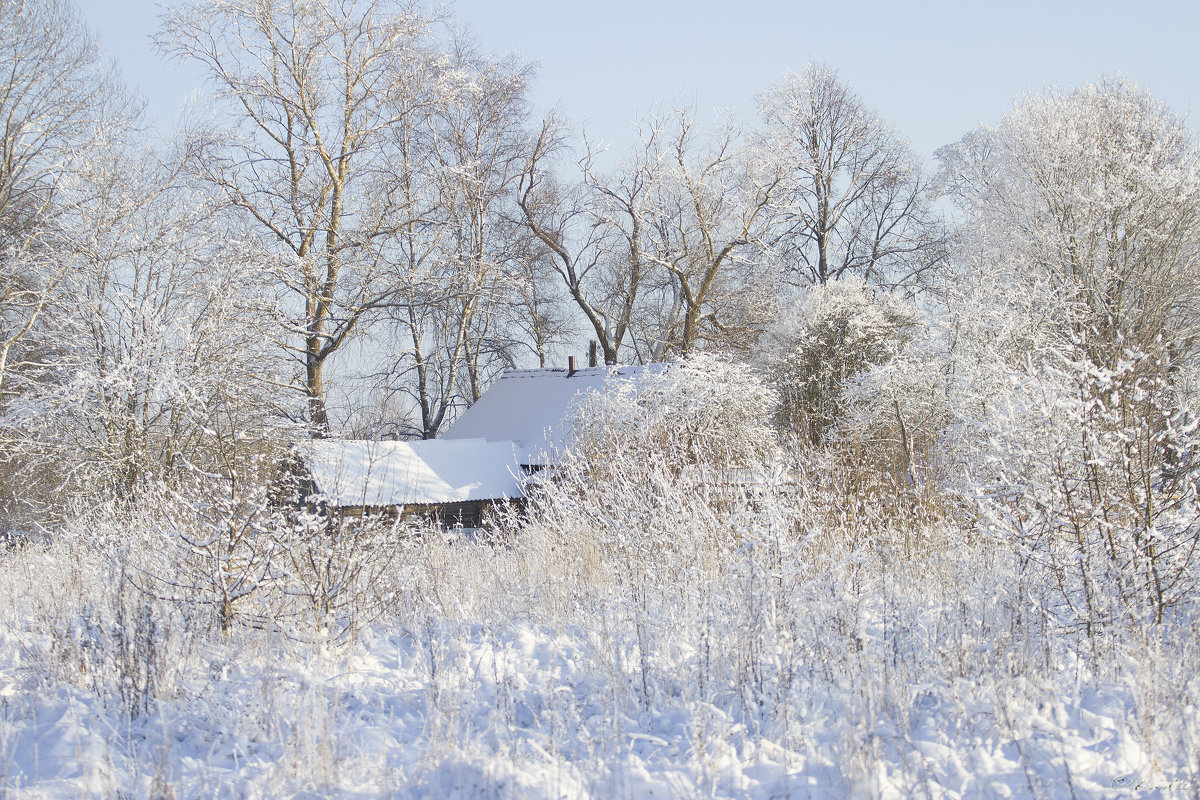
(934, 70)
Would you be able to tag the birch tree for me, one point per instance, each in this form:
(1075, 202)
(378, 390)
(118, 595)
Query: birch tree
(311, 95)
(465, 164)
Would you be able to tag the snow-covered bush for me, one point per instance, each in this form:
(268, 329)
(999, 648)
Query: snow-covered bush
(892, 439)
(212, 543)
(1074, 315)
(835, 332)
(337, 572)
(1093, 472)
(657, 467)
(243, 555)
(703, 415)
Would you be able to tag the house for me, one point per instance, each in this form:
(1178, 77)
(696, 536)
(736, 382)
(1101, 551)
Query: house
(454, 482)
(531, 408)
(517, 428)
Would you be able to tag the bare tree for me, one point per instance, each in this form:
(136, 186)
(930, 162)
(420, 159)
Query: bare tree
(708, 221)
(313, 93)
(854, 201)
(482, 151)
(595, 229)
(539, 313)
(656, 251)
(464, 163)
(155, 349)
(62, 110)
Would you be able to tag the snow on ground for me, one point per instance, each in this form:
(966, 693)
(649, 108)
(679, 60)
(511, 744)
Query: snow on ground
(561, 689)
(524, 713)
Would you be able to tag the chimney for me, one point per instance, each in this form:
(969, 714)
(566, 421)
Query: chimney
(570, 366)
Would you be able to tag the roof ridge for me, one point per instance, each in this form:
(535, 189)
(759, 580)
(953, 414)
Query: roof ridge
(602, 369)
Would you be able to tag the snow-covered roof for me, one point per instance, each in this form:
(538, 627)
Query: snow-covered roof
(530, 407)
(361, 473)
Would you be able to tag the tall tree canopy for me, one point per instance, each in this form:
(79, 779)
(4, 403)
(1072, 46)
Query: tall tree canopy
(322, 106)
(854, 200)
(1088, 202)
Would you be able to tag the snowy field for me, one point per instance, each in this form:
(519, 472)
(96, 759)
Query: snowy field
(907, 507)
(784, 666)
